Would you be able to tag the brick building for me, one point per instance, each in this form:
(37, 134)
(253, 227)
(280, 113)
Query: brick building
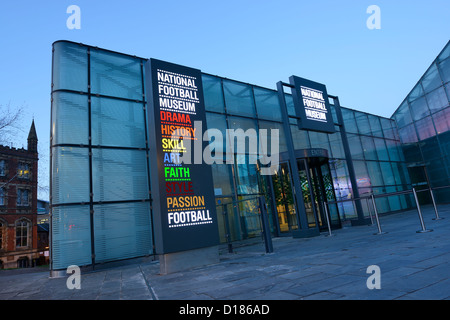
(18, 204)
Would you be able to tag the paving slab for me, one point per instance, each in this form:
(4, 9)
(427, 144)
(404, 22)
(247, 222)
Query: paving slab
(413, 266)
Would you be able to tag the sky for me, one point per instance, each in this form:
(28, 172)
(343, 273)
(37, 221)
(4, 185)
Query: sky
(258, 42)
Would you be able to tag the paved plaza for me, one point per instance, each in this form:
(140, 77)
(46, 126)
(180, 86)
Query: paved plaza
(412, 266)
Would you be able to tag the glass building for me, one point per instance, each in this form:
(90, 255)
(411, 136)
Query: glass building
(423, 121)
(100, 183)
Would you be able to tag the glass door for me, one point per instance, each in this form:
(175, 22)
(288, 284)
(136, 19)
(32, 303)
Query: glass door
(287, 216)
(317, 188)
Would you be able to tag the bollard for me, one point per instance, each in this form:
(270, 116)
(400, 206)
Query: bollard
(376, 217)
(434, 206)
(328, 220)
(424, 229)
(265, 225)
(370, 211)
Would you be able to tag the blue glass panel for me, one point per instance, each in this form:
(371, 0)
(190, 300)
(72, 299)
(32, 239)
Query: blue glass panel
(267, 104)
(375, 125)
(380, 146)
(117, 123)
(370, 153)
(300, 138)
(388, 128)
(425, 128)
(119, 175)
(393, 150)
(269, 126)
(71, 236)
(442, 120)
(417, 92)
(70, 175)
(239, 98)
(70, 69)
(388, 175)
(349, 120)
(355, 146)
(431, 80)
(419, 109)
(290, 105)
(363, 123)
(403, 115)
(408, 134)
(444, 66)
(122, 231)
(70, 118)
(376, 177)
(437, 100)
(116, 75)
(212, 91)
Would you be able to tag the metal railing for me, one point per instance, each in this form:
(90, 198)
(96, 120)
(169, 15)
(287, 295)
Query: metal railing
(371, 198)
(256, 222)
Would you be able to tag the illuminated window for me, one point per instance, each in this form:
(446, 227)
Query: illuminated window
(23, 171)
(22, 197)
(22, 233)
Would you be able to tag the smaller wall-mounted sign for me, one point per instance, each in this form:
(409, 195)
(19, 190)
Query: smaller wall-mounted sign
(312, 105)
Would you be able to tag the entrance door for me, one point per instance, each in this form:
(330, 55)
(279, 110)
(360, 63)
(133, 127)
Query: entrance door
(317, 188)
(419, 181)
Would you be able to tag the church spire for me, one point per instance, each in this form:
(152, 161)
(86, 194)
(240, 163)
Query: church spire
(32, 139)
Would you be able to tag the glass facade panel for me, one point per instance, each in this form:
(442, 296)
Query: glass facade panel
(388, 128)
(349, 120)
(70, 70)
(444, 66)
(388, 175)
(356, 149)
(121, 231)
(117, 123)
(267, 104)
(70, 178)
(239, 98)
(416, 93)
(213, 94)
(116, 75)
(363, 123)
(403, 116)
(300, 138)
(381, 149)
(70, 118)
(71, 236)
(431, 79)
(437, 99)
(370, 153)
(375, 125)
(419, 109)
(319, 140)
(442, 120)
(119, 175)
(408, 134)
(337, 149)
(425, 128)
(269, 126)
(376, 177)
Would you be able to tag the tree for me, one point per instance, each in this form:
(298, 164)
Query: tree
(10, 121)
